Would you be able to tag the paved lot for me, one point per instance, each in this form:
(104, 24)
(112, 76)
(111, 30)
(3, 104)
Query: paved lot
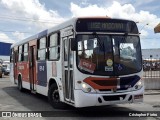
(13, 100)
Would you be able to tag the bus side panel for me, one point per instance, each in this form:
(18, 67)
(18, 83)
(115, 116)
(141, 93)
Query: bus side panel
(23, 69)
(54, 71)
(41, 86)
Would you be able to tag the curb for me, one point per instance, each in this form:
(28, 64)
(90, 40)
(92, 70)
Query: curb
(151, 93)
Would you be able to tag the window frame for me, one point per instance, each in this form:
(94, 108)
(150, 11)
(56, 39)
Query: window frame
(40, 49)
(24, 52)
(57, 46)
(20, 53)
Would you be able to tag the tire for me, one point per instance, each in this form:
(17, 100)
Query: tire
(54, 98)
(5, 73)
(20, 87)
(1, 76)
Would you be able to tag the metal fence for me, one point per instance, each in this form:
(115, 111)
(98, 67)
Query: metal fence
(151, 68)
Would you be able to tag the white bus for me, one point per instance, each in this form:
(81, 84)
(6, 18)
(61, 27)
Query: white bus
(90, 61)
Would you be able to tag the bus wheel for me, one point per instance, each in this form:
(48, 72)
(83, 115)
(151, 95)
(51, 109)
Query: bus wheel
(54, 98)
(20, 84)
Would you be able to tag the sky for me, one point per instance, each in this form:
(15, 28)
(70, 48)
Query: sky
(20, 19)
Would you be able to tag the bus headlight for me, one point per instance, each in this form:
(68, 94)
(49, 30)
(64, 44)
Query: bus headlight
(138, 85)
(87, 88)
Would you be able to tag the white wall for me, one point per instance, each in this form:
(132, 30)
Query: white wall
(146, 53)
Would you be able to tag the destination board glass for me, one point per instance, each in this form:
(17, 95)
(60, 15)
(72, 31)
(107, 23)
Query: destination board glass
(106, 25)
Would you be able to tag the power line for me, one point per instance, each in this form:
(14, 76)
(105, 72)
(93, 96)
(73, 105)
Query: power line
(14, 31)
(44, 20)
(27, 19)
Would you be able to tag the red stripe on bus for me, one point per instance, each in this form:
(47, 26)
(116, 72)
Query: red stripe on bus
(97, 83)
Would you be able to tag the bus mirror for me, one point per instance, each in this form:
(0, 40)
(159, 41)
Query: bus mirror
(73, 44)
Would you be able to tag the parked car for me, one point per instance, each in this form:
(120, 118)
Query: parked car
(0, 71)
(6, 69)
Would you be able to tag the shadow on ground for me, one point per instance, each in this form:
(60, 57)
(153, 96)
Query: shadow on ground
(37, 102)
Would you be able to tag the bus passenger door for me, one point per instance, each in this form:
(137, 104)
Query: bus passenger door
(68, 71)
(32, 67)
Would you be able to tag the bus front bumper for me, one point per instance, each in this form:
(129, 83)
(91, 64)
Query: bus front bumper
(83, 99)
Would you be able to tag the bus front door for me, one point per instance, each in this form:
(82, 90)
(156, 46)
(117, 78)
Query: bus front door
(68, 71)
(32, 67)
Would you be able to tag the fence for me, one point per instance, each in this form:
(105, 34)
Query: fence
(151, 68)
(151, 75)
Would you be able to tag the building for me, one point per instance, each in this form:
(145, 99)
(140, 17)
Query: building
(5, 51)
(151, 53)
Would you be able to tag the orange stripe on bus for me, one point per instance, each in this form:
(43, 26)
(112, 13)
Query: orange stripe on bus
(97, 83)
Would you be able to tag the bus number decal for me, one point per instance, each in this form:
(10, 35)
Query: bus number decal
(41, 68)
(42, 73)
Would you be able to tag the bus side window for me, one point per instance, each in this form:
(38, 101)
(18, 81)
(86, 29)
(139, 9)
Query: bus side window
(25, 53)
(20, 53)
(41, 49)
(53, 45)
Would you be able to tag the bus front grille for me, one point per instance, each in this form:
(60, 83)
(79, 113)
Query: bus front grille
(114, 97)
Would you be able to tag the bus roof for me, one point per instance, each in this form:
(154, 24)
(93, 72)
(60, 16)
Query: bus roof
(47, 31)
(58, 27)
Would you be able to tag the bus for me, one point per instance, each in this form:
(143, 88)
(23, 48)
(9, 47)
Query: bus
(85, 61)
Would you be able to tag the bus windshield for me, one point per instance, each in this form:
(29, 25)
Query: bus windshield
(108, 54)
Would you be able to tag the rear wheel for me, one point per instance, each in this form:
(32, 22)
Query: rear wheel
(54, 98)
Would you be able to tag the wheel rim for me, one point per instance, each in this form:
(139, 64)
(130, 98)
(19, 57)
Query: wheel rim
(55, 96)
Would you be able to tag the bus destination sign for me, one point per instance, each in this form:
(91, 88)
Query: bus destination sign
(106, 25)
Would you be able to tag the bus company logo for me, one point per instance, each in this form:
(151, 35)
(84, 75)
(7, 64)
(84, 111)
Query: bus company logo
(6, 114)
(21, 114)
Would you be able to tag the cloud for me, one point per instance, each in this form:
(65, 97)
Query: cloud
(5, 38)
(116, 10)
(19, 35)
(92, 10)
(123, 11)
(143, 33)
(142, 3)
(34, 12)
(35, 17)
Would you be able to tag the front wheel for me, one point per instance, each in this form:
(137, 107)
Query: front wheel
(54, 98)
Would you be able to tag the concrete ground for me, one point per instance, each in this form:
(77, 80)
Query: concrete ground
(12, 100)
